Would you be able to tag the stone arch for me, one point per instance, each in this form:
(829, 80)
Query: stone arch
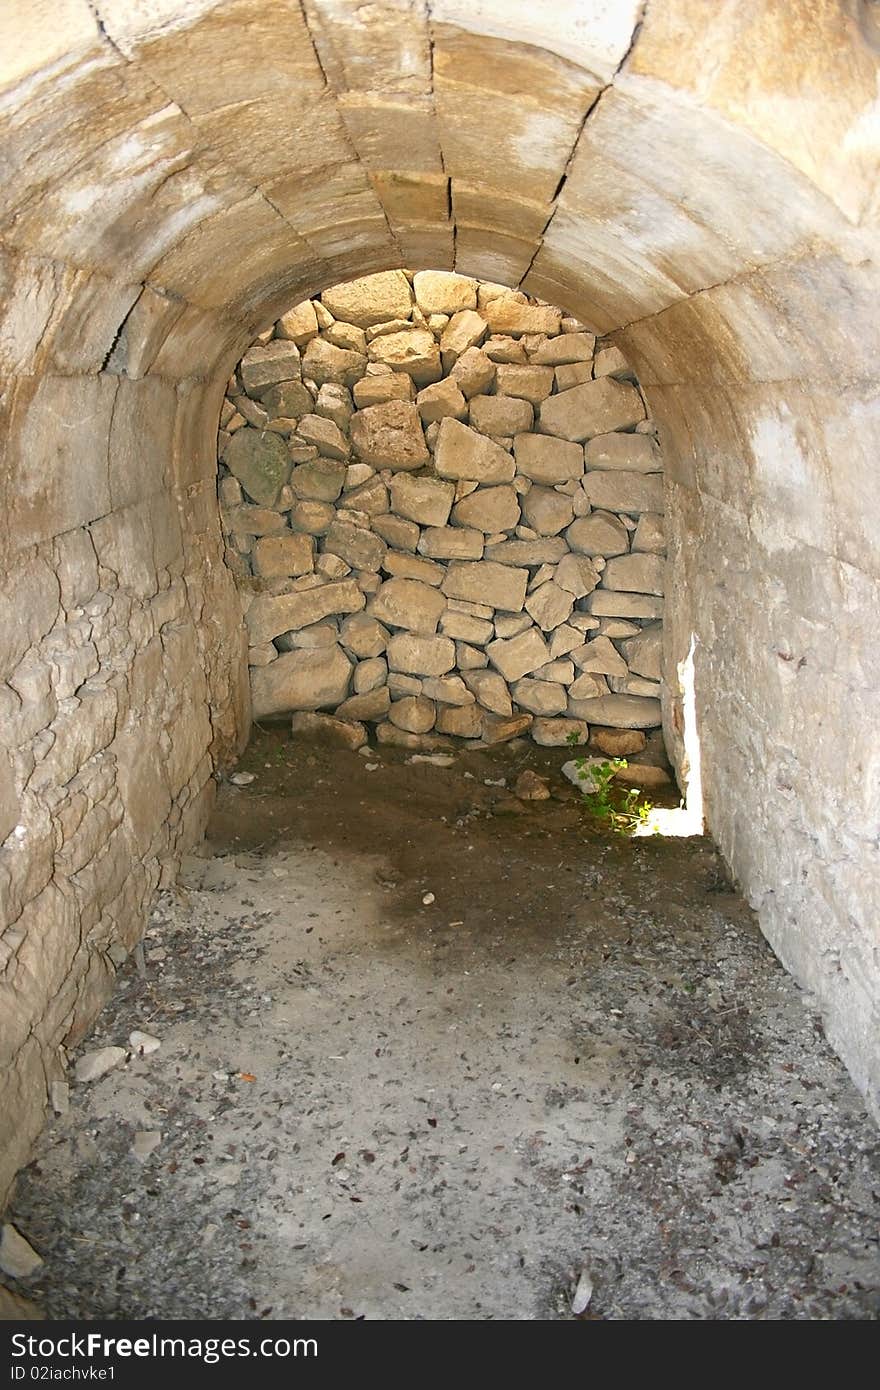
(698, 182)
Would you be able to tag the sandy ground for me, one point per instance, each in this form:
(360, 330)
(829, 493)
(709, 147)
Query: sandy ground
(580, 1058)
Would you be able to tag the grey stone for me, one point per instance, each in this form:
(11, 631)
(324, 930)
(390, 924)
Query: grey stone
(549, 605)
(621, 712)
(599, 655)
(93, 1065)
(557, 733)
(18, 1258)
(644, 652)
(539, 697)
(489, 689)
(264, 365)
(287, 401)
(447, 690)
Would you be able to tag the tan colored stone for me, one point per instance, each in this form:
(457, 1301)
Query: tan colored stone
(500, 416)
(452, 543)
(589, 685)
(447, 690)
(264, 366)
(473, 373)
(650, 534)
(545, 551)
(299, 324)
(573, 375)
(423, 500)
(318, 481)
(634, 453)
(346, 335)
(374, 704)
(527, 383)
(601, 533)
(414, 713)
(301, 680)
(577, 574)
(260, 463)
(518, 656)
(377, 390)
(325, 435)
(363, 635)
(465, 721)
(315, 518)
(399, 534)
(324, 728)
(465, 628)
(323, 362)
(464, 330)
(557, 733)
(389, 436)
(488, 509)
(597, 407)
(414, 352)
(462, 453)
(402, 566)
(439, 400)
(506, 314)
(271, 614)
(641, 574)
(276, 557)
(499, 586)
(498, 729)
(547, 460)
(356, 546)
(569, 348)
(546, 511)
(618, 743)
(440, 292)
(610, 603)
(420, 656)
(410, 604)
(372, 299)
(468, 658)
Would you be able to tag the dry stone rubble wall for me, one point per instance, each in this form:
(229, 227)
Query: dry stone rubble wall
(444, 509)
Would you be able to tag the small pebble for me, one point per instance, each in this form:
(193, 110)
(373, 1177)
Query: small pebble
(143, 1043)
(427, 899)
(242, 779)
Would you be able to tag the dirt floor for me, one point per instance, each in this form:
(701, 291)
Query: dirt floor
(428, 1052)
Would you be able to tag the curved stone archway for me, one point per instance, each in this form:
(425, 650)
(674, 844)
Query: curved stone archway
(698, 182)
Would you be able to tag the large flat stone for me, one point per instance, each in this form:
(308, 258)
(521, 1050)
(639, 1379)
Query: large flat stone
(423, 500)
(633, 453)
(618, 711)
(301, 680)
(514, 657)
(596, 407)
(420, 656)
(631, 493)
(547, 460)
(463, 453)
(269, 614)
(498, 585)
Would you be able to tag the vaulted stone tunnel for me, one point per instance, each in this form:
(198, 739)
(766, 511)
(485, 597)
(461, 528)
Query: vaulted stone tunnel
(696, 182)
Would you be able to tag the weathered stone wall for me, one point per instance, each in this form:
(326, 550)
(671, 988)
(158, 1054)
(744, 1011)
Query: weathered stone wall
(445, 514)
(698, 181)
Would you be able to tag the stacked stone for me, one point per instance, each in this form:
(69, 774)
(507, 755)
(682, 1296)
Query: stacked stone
(444, 506)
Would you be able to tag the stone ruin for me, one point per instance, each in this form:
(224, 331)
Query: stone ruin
(443, 506)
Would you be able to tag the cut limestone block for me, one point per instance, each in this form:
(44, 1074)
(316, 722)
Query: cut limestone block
(452, 543)
(500, 415)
